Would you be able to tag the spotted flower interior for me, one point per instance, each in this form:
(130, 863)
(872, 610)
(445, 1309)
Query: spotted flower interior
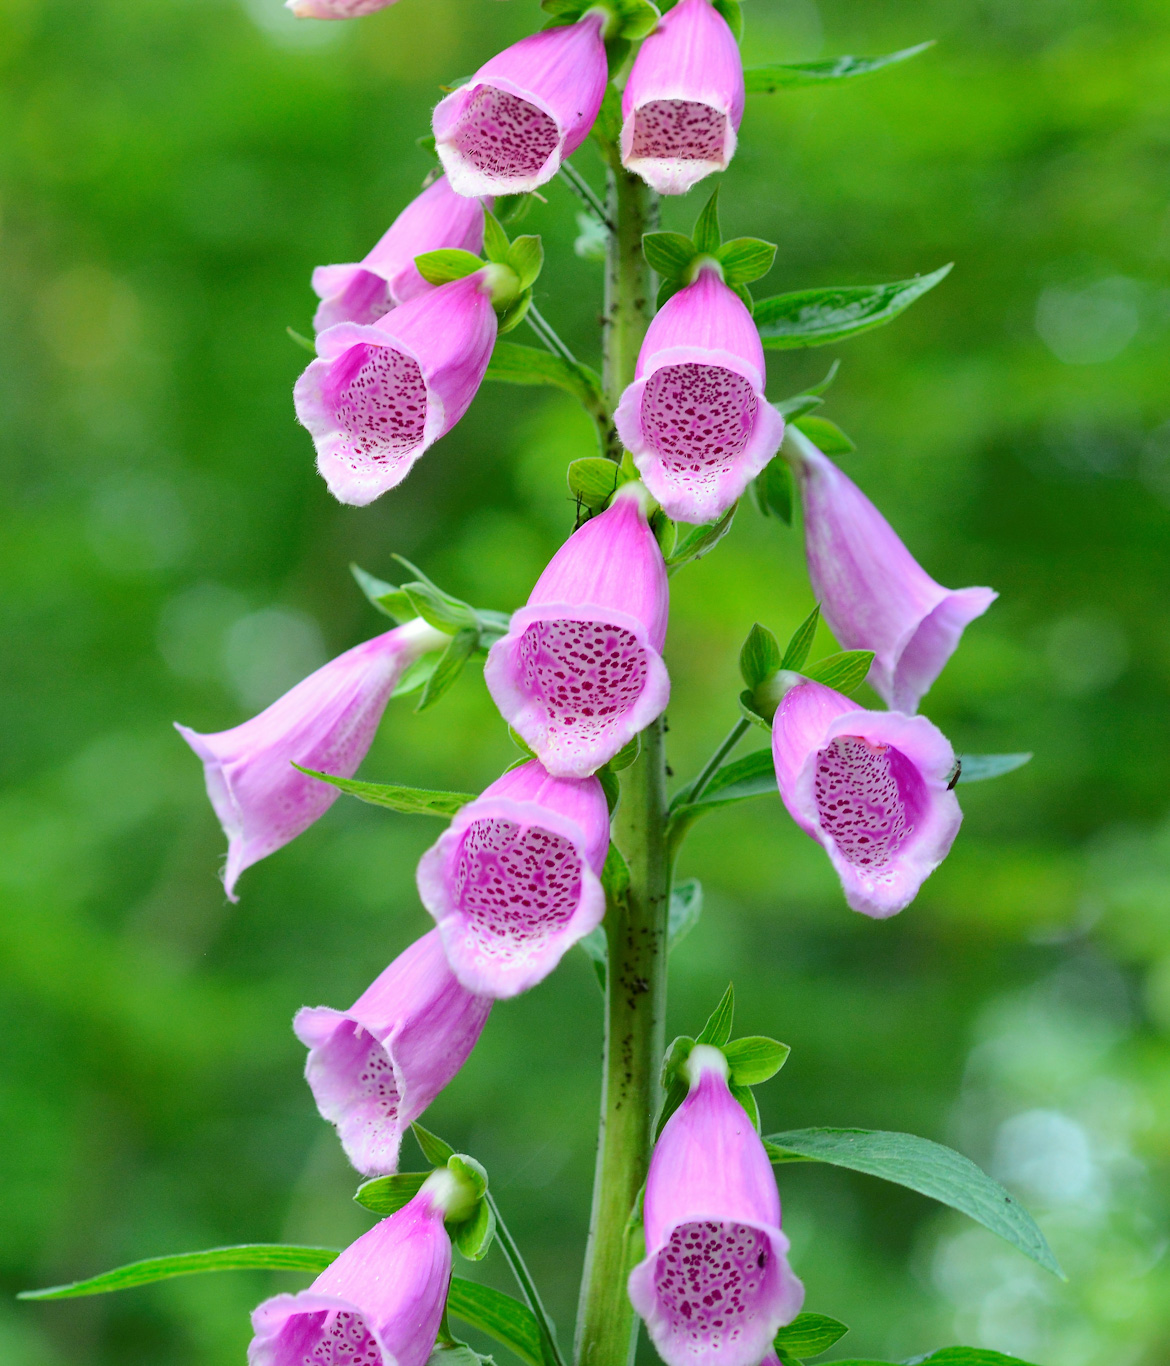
(698, 419)
(361, 1096)
(379, 401)
(326, 1338)
(869, 799)
(683, 130)
(711, 1279)
(503, 135)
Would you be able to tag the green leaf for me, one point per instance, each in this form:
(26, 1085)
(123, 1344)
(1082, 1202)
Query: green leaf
(752, 776)
(975, 768)
(844, 671)
(387, 1194)
(922, 1166)
(817, 317)
(242, 1257)
(309, 346)
(773, 491)
(808, 1335)
(745, 297)
(706, 236)
(747, 1099)
(595, 948)
(717, 1030)
(674, 1083)
(526, 257)
(700, 541)
(755, 1059)
(825, 435)
(666, 290)
(593, 481)
(450, 263)
(627, 755)
(639, 19)
(495, 239)
(450, 666)
(389, 600)
(796, 651)
(456, 1354)
(949, 1356)
(797, 406)
(818, 389)
(415, 675)
(615, 875)
(765, 80)
(514, 315)
(745, 259)
(411, 801)
(733, 13)
(513, 208)
(514, 363)
(669, 253)
(501, 1317)
(759, 656)
(436, 1152)
(686, 906)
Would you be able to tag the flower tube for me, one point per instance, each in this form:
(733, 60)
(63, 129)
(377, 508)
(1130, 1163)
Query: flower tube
(715, 1285)
(695, 418)
(580, 671)
(871, 787)
(873, 593)
(374, 1068)
(327, 722)
(365, 291)
(514, 881)
(379, 1304)
(683, 102)
(509, 128)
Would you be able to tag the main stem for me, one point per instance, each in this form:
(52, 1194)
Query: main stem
(635, 922)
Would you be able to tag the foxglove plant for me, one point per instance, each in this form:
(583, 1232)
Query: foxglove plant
(578, 841)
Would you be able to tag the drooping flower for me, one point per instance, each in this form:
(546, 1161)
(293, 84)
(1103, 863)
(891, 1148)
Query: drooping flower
(379, 1304)
(374, 1068)
(873, 593)
(365, 291)
(871, 787)
(378, 396)
(514, 881)
(327, 722)
(580, 671)
(695, 418)
(509, 128)
(683, 101)
(335, 9)
(715, 1285)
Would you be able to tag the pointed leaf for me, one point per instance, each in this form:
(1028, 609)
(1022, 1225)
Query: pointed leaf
(593, 480)
(513, 316)
(717, 1030)
(686, 906)
(595, 948)
(303, 341)
(243, 1257)
(817, 317)
(707, 237)
(844, 671)
(700, 541)
(825, 435)
(449, 667)
(386, 1194)
(501, 1317)
(449, 263)
(514, 363)
(747, 1099)
(411, 801)
(754, 1060)
(732, 12)
(752, 776)
(473, 1237)
(764, 80)
(669, 253)
(436, 1152)
(820, 388)
(808, 1335)
(949, 1356)
(796, 406)
(975, 768)
(388, 599)
(759, 656)
(526, 258)
(796, 651)
(495, 239)
(922, 1166)
(674, 1084)
(745, 259)
(773, 490)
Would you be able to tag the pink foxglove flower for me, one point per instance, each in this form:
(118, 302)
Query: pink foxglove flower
(335, 9)
(379, 1304)
(374, 1068)
(715, 1285)
(514, 881)
(580, 671)
(871, 787)
(873, 593)
(683, 102)
(522, 113)
(695, 418)
(370, 288)
(327, 722)
(378, 396)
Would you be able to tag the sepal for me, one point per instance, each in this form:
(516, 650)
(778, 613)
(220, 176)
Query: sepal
(447, 264)
(629, 20)
(825, 435)
(808, 1335)
(700, 541)
(773, 490)
(678, 258)
(469, 1217)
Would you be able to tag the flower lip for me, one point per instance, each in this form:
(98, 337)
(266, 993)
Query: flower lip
(276, 1318)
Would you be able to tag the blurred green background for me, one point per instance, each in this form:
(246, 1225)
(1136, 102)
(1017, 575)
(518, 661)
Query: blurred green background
(171, 172)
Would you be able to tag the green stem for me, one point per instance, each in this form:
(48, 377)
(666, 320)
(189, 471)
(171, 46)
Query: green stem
(635, 921)
(584, 191)
(527, 1285)
(737, 732)
(547, 334)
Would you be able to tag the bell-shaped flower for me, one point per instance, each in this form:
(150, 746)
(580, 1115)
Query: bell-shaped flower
(379, 395)
(374, 1068)
(509, 128)
(327, 722)
(695, 418)
(715, 1285)
(335, 9)
(514, 881)
(683, 101)
(379, 1304)
(871, 787)
(873, 593)
(580, 671)
(365, 291)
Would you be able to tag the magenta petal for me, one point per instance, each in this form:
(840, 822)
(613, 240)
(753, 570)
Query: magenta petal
(379, 1304)
(378, 396)
(509, 128)
(362, 293)
(373, 1069)
(335, 9)
(871, 787)
(683, 101)
(514, 882)
(873, 593)
(327, 722)
(580, 671)
(695, 419)
(715, 1284)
